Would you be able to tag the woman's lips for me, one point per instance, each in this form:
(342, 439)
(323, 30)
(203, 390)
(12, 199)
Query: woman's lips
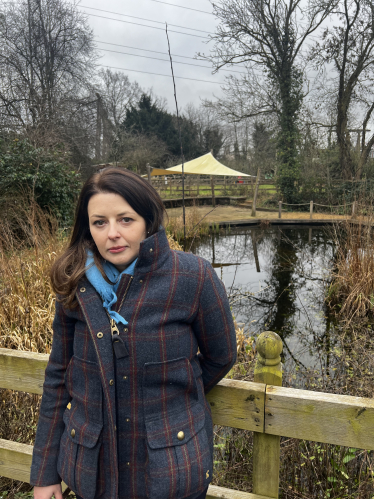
(117, 249)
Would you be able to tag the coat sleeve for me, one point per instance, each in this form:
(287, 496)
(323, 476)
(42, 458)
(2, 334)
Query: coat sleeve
(215, 331)
(54, 400)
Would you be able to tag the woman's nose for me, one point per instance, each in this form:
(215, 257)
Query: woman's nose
(113, 232)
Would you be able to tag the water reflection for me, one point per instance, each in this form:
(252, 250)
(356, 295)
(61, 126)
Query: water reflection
(275, 280)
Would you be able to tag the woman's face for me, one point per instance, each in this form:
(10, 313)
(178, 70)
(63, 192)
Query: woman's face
(116, 228)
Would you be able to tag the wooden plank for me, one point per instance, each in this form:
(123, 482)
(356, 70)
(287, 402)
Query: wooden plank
(15, 460)
(23, 371)
(215, 492)
(320, 417)
(239, 404)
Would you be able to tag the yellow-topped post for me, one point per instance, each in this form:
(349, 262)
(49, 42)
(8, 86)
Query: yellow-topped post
(266, 448)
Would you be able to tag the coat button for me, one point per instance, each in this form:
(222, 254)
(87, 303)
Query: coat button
(141, 280)
(82, 290)
(127, 420)
(111, 382)
(128, 463)
(151, 250)
(180, 435)
(99, 335)
(72, 433)
(125, 330)
(69, 406)
(125, 378)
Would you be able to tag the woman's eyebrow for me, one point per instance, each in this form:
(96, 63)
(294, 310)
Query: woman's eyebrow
(118, 215)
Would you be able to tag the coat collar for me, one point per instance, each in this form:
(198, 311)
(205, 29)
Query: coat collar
(153, 253)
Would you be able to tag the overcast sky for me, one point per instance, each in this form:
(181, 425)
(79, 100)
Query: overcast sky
(140, 40)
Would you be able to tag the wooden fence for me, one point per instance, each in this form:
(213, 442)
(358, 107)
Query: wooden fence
(195, 187)
(264, 407)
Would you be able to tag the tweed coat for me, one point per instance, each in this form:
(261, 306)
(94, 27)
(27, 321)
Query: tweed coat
(140, 426)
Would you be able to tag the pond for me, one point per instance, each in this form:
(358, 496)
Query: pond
(276, 279)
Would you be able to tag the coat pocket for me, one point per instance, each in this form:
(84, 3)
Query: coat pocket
(80, 445)
(179, 455)
(82, 380)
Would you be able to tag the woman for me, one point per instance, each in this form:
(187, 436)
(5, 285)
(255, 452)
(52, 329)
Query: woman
(123, 413)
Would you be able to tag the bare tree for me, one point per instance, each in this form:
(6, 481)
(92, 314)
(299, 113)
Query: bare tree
(46, 62)
(134, 151)
(118, 94)
(267, 36)
(115, 94)
(348, 52)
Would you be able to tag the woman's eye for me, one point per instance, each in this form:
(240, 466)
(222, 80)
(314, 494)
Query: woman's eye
(126, 219)
(99, 223)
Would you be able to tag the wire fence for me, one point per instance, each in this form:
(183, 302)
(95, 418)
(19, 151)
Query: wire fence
(317, 204)
(312, 204)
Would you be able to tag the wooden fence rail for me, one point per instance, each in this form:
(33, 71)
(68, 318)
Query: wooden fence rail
(263, 407)
(198, 187)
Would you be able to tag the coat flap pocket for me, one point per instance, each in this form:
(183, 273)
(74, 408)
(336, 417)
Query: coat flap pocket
(175, 428)
(79, 430)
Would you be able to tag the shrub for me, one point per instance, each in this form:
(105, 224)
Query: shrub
(45, 173)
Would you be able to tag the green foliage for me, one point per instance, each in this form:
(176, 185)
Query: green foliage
(44, 174)
(290, 97)
(147, 117)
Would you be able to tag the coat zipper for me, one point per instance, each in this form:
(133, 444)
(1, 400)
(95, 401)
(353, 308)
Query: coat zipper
(113, 326)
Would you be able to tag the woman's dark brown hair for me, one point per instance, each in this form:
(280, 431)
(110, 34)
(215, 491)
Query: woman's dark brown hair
(69, 268)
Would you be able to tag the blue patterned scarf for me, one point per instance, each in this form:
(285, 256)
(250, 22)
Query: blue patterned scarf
(108, 292)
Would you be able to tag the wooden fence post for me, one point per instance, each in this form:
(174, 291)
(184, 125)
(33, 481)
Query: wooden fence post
(280, 210)
(198, 186)
(266, 448)
(149, 169)
(213, 196)
(354, 209)
(311, 210)
(253, 214)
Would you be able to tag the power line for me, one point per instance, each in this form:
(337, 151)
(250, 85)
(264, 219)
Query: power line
(145, 50)
(182, 7)
(159, 74)
(175, 62)
(153, 51)
(145, 25)
(143, 19)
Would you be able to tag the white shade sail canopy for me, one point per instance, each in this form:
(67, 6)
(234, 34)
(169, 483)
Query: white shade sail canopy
(204, 165)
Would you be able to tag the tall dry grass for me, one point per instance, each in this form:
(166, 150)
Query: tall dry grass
(29, 243)
(27, 251)
(195, 225)
(351, 291)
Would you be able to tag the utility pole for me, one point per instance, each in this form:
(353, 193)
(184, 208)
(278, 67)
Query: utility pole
(98, 128)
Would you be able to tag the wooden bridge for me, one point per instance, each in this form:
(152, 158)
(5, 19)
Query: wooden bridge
(264, 407)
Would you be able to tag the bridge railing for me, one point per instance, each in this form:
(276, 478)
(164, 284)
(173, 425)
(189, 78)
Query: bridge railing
(262, 406)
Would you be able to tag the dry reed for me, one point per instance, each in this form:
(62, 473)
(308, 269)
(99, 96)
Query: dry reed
(195, 226)
(351, 291)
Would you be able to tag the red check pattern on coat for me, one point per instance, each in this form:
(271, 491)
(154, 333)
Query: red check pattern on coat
(140, 426)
